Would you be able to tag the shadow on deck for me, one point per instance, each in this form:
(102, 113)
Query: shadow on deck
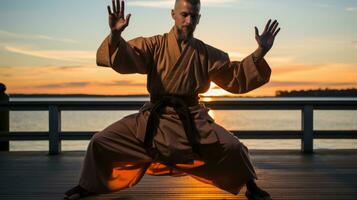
(286, 174)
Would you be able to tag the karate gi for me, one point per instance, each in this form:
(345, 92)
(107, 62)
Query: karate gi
(116, 157)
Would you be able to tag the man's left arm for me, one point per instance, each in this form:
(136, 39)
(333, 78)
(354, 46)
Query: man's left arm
(248, 74)
(238, 76)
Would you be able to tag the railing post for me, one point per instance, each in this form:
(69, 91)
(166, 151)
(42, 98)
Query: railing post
(55, 129)
(307, 116)
(4, 119)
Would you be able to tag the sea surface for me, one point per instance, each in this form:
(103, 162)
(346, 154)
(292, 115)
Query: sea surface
(231, 120)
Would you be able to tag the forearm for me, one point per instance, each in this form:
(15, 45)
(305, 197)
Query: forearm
(114, 39)
(259, 54)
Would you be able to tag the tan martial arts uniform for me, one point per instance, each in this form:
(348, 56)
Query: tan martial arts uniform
(116, 157)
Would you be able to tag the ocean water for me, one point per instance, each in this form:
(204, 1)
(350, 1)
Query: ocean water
(231, 120)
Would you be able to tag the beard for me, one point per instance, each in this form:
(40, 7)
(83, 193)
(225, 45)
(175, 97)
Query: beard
(185, 32)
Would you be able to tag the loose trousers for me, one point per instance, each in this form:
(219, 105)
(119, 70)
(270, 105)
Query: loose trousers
(116, 159)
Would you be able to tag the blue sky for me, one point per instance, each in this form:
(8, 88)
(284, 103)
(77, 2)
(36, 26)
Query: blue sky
(45, 33)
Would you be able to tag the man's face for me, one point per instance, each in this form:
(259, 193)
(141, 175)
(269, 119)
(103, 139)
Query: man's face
(186, 17)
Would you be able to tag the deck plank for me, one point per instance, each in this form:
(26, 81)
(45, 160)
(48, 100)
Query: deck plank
(286, 174)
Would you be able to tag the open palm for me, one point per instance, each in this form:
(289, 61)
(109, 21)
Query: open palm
(117, 22)
(266, 39)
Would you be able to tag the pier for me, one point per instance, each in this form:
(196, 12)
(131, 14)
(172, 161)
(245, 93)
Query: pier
(286, 174)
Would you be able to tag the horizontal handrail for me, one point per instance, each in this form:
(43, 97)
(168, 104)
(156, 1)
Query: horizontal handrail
(221, 104)
(271, 134)
(305, 105)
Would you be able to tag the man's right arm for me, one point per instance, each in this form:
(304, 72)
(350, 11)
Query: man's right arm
(107, 49)
(115, 52)
(134, 56)
(105, 52)
(114, 39)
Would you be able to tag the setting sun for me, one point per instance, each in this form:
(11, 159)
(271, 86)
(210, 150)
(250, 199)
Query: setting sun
(214, 90)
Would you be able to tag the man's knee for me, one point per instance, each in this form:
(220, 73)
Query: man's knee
(234, 145)
(228, 140)
(97, 139)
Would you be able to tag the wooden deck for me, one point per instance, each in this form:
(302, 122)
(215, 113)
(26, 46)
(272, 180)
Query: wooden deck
(327, 174)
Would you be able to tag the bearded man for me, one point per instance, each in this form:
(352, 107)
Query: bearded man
(173, 133)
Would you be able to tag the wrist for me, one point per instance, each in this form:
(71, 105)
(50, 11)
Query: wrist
(259, 54)
(114, 37)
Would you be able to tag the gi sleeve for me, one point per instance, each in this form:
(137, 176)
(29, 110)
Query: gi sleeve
(236, 76)
(134, 56)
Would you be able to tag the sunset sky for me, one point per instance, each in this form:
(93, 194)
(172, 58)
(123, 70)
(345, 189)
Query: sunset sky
(49, 46)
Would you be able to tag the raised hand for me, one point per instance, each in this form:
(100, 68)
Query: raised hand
(266, 40)
(117, 22)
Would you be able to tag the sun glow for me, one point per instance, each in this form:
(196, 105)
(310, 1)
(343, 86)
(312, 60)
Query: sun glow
(214, 90)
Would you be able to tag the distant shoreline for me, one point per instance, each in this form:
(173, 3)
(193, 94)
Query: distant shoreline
(351, 92)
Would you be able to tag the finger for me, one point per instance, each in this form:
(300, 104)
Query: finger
(109, 11)
(276, 33)
(267, 25)
(256, 31)
(127, 19)
(272, 25)
(118, 7)
(274, 28)
(114, 7)
(122, 8)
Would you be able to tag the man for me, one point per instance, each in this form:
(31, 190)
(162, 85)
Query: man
(173, 134)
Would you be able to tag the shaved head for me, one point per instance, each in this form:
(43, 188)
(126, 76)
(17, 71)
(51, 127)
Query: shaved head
(196, 3)
(186, 15)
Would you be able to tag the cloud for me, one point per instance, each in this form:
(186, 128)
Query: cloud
(351, 9)
(289, 83)
(63, 85)
(122, 83)
(354, 43)
(152, 4)
(321, 5)
(342, 83)
(64, 55)
(87, 83)
(282, 59)
(309, 83)
(7, 74)
(72, 68)
(295, 68)
(170, 3)
(35, 37)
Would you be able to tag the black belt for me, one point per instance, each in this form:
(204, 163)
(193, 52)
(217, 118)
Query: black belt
(180, 105)
(186, 99)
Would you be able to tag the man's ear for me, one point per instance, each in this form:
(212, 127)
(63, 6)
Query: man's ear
(173, 14)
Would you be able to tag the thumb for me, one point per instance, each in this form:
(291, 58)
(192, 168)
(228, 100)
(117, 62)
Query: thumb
(127, 19)
(256, 31)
